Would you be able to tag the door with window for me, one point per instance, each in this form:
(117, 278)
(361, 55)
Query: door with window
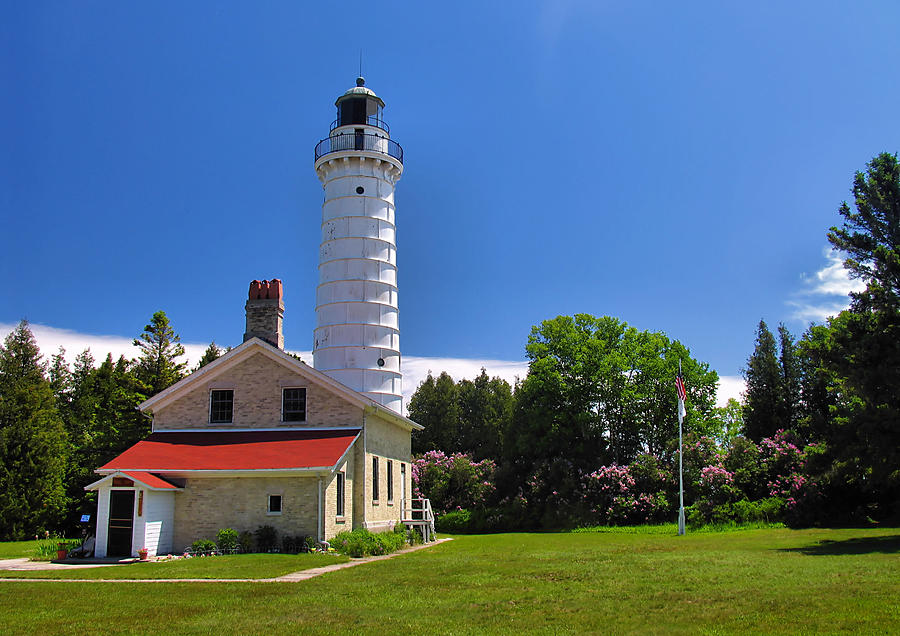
(121, 522)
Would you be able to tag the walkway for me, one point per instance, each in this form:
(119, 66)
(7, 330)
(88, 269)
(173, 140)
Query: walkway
(302, 575)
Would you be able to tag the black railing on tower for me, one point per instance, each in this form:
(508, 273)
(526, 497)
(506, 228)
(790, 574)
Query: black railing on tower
(359, 141)
(371, 120)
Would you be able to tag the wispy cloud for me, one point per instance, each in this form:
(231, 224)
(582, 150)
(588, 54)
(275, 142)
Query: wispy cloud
(826, 292)
(50, 339)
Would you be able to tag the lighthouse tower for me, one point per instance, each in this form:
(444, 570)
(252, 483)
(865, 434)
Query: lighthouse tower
(357, 337)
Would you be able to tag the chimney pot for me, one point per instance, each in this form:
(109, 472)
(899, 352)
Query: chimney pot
(265, 312)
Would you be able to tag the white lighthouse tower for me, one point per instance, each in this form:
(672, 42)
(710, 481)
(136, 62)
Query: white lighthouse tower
(357, 336)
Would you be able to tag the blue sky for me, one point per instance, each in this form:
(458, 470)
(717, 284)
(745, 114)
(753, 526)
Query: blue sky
(675, 166)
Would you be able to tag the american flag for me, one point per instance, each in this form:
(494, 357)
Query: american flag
(679, 384)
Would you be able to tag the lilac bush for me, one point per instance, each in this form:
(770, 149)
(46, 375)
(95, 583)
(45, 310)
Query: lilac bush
(611, 496)
(453, 482)
(784, 463)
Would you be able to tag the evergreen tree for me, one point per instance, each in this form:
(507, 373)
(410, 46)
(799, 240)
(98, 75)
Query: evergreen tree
(33, 445)
(763, 398)
(158, 366)
(103, 422)
(859, 351)
(789, 411)
(870, 234)
(60, 379)
(213, 352)
(435, 406)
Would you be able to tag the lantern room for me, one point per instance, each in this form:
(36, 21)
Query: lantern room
(360, 106)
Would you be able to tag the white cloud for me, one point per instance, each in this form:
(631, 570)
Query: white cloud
(50, 339)
(730, 386)
(826, 292)
(414, 368)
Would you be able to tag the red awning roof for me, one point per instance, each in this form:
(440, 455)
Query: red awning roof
(242, 450)
(150, 480)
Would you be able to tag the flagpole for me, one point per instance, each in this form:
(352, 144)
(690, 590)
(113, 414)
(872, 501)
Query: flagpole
(680, 456)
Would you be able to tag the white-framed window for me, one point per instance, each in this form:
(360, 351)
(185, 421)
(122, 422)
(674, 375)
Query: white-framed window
(374, 479)
(221, 406)
(293, 404)
(390, 481)
(339, 489)
(274, 505)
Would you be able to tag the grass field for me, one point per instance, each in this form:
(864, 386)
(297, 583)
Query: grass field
(240, 566)
(775, 581)
(18, 549)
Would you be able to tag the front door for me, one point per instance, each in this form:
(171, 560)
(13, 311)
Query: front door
(121, 522)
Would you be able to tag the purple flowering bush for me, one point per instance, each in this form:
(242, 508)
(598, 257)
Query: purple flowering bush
(453, 482)
(612, 496)
(784, 463)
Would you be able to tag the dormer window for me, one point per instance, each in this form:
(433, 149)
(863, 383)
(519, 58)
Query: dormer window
(293, 405)
(221, 406)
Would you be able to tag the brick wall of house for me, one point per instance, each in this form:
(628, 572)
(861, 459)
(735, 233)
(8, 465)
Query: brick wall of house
(257, 383)
(333, 523)
(207, 505)
(387, 441)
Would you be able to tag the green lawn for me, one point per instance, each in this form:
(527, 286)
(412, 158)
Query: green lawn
(18, 549)
(239, 566)
(776, 581)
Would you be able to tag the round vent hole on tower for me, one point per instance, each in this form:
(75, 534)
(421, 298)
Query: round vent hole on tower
(380, 362)
(360, 189)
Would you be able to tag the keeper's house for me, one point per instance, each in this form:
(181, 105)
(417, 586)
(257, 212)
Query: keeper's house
(255, 438)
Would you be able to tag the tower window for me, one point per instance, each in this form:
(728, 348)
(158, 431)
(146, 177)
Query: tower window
(293, 405)
(360, 189)
(221, 406)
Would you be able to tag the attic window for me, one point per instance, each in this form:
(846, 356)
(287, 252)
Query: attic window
(221, 406)
(293, 405)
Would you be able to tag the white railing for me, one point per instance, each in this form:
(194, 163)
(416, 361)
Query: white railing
(418, 513)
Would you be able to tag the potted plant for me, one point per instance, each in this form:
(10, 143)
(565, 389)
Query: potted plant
(144, 554)
(62, 552)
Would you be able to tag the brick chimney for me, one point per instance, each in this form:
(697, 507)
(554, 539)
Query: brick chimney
(265, 312)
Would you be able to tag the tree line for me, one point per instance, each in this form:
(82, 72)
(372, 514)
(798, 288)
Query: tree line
(590, 434)
(59, 422)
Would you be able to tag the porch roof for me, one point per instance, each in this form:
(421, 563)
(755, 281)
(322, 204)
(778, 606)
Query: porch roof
(238, 450)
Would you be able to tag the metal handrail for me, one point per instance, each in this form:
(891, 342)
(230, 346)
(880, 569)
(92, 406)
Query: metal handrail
(359, 141)
(371, 120)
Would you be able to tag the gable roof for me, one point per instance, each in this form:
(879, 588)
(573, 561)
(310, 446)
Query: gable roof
(153, 482)
(255, 345)
(235, 451)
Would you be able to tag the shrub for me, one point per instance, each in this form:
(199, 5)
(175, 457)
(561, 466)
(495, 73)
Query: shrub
(294, 544)
(453, 482)
(266, 539)
(203, 547)
(455, 522)
(227, 540)
(245, 541)
(361, 542)
(611, 496)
